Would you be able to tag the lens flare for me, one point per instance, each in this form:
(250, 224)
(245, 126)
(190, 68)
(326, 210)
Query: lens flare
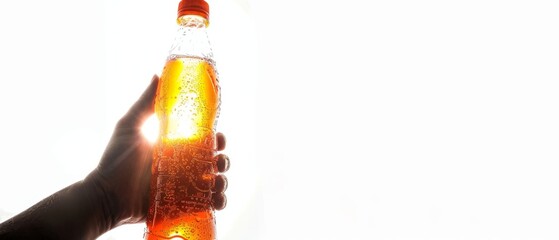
(150, 129)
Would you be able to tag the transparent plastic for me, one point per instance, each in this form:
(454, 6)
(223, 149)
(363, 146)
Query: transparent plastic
(183, 171)
(192, 39)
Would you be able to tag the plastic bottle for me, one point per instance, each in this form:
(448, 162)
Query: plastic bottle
(187, 106)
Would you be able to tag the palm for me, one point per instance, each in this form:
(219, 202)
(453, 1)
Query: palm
(126, 166)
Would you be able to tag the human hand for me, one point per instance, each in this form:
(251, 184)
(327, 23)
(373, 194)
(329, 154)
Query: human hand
(124, 172)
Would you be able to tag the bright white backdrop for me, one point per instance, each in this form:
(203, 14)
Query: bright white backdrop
(345, 119)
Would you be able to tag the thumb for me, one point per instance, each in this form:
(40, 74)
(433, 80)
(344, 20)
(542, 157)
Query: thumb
(142, 109)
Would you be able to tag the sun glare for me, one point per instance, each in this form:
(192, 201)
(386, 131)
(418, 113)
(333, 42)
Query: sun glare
(150, 129)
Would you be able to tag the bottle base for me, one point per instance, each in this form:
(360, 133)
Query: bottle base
(194, 226)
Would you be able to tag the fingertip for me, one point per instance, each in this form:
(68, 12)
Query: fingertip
(153, 84)
(219, 201)
(222, 163)
(220, 141)
(220, 183)
(155, 78)
(142, 108)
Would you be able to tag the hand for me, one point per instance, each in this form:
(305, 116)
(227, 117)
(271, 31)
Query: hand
(116, 192)
(124, 171)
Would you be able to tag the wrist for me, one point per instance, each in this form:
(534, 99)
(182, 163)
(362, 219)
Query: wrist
(100, 192)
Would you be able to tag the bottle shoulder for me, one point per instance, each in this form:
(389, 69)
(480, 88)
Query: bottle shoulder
(191, 42)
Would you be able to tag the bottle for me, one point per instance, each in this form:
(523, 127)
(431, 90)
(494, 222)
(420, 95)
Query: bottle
(187, 106)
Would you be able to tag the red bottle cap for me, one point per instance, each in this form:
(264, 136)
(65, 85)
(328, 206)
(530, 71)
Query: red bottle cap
(194, 7)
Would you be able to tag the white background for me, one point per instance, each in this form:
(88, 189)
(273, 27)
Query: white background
(345, 119)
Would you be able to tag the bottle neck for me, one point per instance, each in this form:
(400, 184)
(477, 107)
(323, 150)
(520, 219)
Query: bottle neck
(193, 21)
(192, 39)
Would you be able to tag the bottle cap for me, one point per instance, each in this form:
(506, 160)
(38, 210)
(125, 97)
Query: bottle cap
(194, 7)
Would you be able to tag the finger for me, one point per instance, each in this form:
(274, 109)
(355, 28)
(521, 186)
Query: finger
(220, 184)
(222, 163)
(143, 107)
(219, 201)
(220, 139)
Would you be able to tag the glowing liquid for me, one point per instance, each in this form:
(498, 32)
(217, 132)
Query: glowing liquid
(187, 105)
